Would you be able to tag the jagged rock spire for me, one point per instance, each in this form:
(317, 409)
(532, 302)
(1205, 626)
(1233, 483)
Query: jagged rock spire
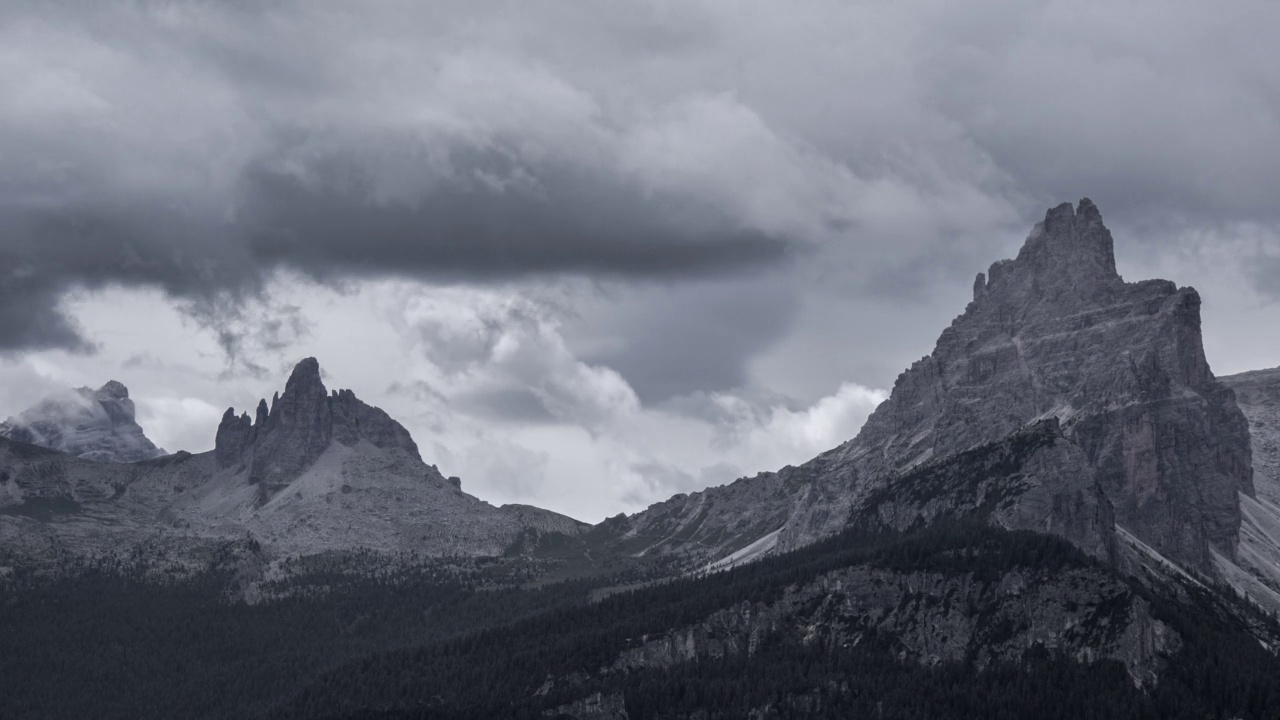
(285, 438)
(1068, 257)
(1056, 332)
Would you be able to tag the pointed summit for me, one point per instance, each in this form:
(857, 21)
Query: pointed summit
(1111, 374)
(305, 379)
(112, 390)
(1074, 242)
(284, 439)
(1057, 333)
(1069, 257)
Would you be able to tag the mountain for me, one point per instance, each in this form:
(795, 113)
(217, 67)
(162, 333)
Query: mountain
(315, 472)
(1148, 442)
(92, 424)
(1258, 395)
(1058, 513)
(1257, 568)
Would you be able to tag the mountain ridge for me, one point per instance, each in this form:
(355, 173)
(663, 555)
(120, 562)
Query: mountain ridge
(97, 425)
(1054, 332)
(316, 472)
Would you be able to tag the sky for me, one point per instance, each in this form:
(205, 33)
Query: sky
(595, 254)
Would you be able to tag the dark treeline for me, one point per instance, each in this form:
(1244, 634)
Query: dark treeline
(1221, 672)
(444, 643)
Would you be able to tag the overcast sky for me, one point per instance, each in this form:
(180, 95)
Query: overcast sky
(594, 254)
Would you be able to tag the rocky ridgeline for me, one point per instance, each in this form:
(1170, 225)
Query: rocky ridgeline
(1258, 395)
(1054, 333)
(96, 425)
(315, 472)
(1057, 333)
(284, 440)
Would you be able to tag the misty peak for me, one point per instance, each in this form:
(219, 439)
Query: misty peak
(93, 424)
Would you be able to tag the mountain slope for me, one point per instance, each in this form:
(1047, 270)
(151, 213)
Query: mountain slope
(1054, 333)
(92, 424)
(316, 472)
(1255, 569)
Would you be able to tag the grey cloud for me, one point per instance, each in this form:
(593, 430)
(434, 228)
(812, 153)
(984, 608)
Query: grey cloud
(503, 404)
(334, 232)
(1266, 275)
(198, 147)
(30, 318)
(670, 340)
(660, 480)
(569, 222)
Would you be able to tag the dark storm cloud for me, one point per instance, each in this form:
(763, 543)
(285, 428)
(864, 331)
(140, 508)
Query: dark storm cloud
(1266, 275)
(573, 222)
(198, 147)
(331, 227)
(670, 340)
(48, 250)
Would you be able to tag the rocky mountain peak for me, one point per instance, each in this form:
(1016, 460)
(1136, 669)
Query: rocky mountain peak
(94, 424)
(282, 440)
(1057, 333)
(305, 380)
(112, 390)
(1143, 436)
(1068, 257)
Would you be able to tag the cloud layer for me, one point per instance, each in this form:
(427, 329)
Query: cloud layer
(648, 245)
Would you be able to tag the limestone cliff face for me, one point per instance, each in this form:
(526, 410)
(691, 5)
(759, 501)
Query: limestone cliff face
(1035, 479)
(96, 425)
(1057, 333)
(1254, 571)
(1258, 395)
(284, 440)
(1054, 333)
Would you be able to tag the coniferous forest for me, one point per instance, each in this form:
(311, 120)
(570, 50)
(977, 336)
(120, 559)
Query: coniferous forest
(465, 639)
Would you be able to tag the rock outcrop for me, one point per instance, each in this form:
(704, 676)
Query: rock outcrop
(1255, 569)
(1035, 479)
(1054, 333)
(1258, 395)
(282, 441)
(1085, 613)
(97, 425)
(315, 471)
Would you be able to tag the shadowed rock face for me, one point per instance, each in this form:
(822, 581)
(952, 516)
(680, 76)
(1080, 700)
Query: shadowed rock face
(1057, 333)
(92, 424)
(1258, 395)
(284, 440)
(1054, 333)
(314, 472)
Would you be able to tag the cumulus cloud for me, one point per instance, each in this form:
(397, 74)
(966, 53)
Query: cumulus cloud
(526, 419)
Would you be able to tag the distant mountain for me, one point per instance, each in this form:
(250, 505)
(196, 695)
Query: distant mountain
(314, 472)
(92, 424)
(1058, 513)
(1149, 445)
(1258, 395)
